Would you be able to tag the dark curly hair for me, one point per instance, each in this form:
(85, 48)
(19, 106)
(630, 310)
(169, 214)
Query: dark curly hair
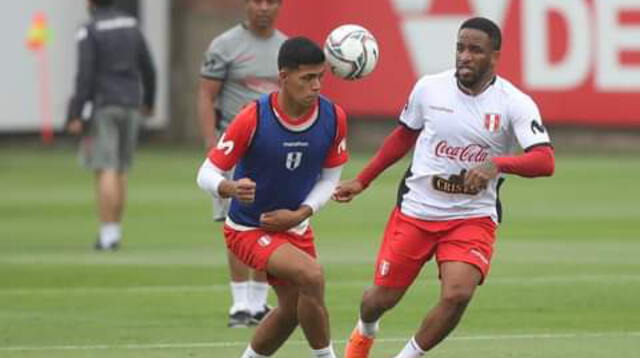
(488, 27)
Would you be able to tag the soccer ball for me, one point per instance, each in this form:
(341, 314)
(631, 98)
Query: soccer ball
(351, 51)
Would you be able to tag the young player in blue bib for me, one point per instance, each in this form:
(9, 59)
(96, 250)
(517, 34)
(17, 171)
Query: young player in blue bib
(288, 149)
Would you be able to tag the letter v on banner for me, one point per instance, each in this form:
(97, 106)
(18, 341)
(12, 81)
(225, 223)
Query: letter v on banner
(430, 27)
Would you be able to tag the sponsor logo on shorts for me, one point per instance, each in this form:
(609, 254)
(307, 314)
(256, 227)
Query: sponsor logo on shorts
(264, 241)
(480, 255)
(385, 266)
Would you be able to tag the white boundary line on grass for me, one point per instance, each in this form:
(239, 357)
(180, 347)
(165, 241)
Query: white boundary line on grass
(302, 342)
(519, 281)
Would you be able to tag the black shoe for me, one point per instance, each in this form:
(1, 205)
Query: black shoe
(113, 247)
(240, 319)
(258, 316)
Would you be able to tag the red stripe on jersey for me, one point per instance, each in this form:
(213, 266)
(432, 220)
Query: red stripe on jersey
(236, 139)
(338, 154)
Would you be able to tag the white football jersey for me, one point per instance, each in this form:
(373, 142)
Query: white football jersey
(458, 132)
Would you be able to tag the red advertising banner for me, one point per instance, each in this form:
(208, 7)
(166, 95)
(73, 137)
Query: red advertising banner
(579, 59)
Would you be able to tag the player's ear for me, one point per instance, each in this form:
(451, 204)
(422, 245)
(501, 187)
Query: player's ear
(495, 57)
(283, 74)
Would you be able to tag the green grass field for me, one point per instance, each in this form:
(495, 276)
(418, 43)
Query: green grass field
(565, 282)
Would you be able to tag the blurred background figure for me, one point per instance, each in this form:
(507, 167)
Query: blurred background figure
(240, 66)
(115, 76)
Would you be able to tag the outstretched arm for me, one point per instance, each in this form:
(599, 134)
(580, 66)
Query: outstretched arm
(395, 146)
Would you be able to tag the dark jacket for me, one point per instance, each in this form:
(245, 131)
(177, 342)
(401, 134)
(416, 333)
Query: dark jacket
(114, 64)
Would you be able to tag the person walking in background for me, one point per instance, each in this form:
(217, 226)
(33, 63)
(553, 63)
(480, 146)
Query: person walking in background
(240, 66)
(466, 124)
(115, 81)
(289, 147)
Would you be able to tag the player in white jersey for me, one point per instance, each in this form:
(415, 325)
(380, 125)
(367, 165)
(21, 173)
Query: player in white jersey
(466, 125)
(239, 67)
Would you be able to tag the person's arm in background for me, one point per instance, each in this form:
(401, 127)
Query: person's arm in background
(208, 92)
(148, 72)
(84, 82)
(213, 73)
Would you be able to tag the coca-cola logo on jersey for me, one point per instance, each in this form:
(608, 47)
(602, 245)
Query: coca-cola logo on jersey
(474, 153)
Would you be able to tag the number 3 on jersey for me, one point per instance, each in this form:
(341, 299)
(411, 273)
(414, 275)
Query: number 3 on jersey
(293, 160)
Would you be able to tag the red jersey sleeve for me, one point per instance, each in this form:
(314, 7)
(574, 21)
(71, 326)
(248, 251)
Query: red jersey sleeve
(236, 139)
(338, 154)
(536, 162)
(395, 146)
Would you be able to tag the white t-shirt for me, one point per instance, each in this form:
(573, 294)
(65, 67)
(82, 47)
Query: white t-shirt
(458, 132)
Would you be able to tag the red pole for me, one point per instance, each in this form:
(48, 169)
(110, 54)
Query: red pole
(46, 132)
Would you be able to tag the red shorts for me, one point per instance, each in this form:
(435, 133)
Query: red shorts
(409, 243)
(254, 247)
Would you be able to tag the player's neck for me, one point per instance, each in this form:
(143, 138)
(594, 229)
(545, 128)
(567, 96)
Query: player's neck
(291, 108)
(480, 87)
(263, 32)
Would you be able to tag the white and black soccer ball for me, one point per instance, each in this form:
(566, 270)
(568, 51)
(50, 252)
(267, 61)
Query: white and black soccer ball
(351, 51)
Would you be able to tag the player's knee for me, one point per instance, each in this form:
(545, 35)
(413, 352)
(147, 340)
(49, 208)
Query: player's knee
(288, 314)
(312, 277)
(457, 296)
(381, 300)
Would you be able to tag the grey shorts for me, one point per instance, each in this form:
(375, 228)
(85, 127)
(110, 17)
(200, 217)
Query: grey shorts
(111, 138)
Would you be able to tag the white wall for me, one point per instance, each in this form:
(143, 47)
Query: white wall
(156, 26)
(20, 109)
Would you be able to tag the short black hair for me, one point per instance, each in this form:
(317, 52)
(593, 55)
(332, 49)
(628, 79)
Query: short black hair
(298, 51)
(102, 3)
(488, 27)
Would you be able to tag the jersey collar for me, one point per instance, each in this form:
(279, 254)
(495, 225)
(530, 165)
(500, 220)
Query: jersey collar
(466, 91)
(295, 124)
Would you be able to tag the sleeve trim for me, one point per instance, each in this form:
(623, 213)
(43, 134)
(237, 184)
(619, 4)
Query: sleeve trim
(543, 144)
(408, 127)
(221, 79)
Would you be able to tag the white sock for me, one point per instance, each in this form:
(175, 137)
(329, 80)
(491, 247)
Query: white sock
(258, 292)
(324, 352)
(368, 329)
(240, 295)
(110, 233)
(411, 350)
(250, 353)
